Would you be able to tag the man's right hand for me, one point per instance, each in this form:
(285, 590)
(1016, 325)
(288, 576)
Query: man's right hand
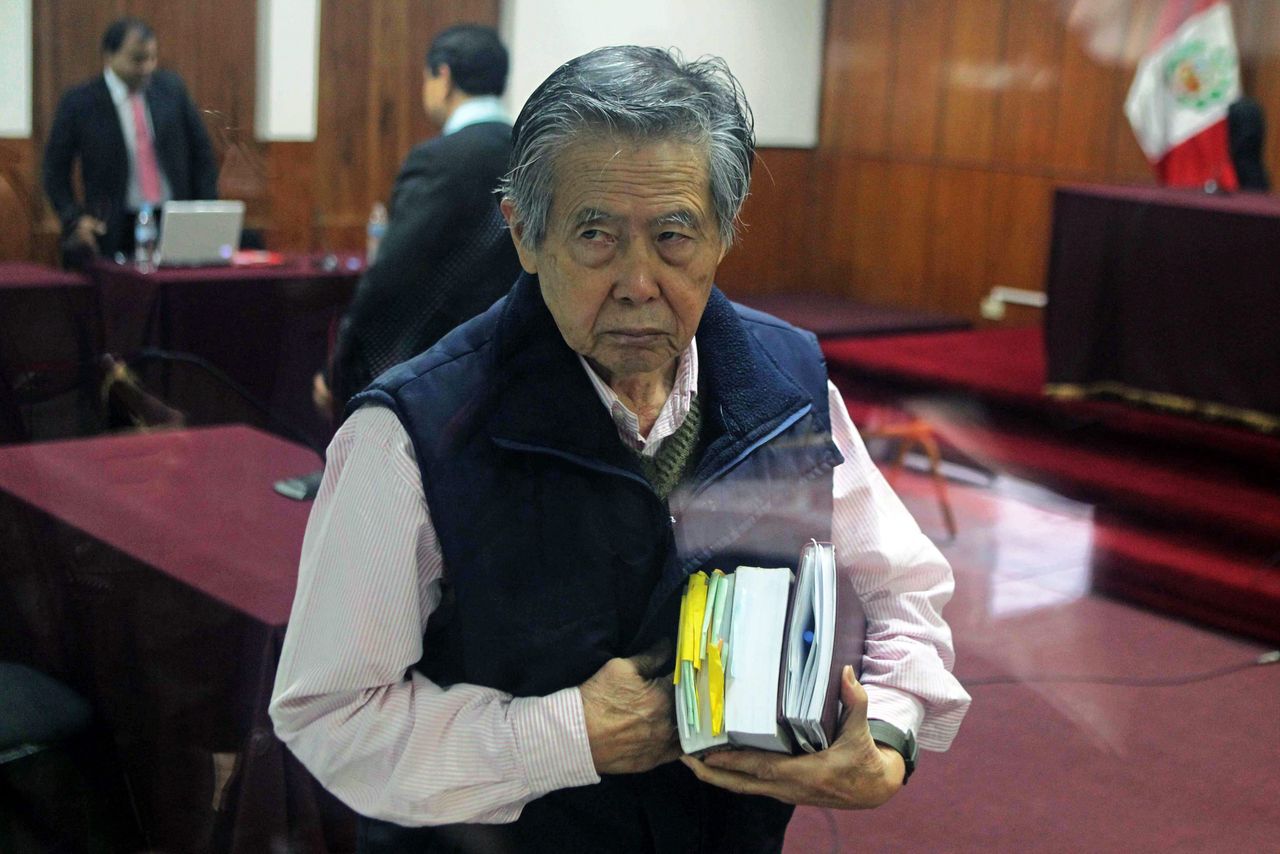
(629, 714)
(88, 229)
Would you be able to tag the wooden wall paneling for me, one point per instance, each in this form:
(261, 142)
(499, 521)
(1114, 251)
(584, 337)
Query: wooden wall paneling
(1126, 162)
(1019, 225)
(835, 188)
(390, 127)
(17, 205)
(291, 171)
(1085, 105)
(958, 235)
(971, 80)
(1026, 118)
(342, 153)
(1258, 26)
(779, 224)
(857, 76)
(890, 221)
(920, 35)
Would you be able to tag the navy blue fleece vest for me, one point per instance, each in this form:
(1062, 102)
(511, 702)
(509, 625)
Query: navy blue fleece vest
(559, 555)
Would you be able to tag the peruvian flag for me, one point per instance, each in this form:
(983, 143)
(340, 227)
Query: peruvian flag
(1178, 102)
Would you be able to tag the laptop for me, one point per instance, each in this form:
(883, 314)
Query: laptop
(199, 233)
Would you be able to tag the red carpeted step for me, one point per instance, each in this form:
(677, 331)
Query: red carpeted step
(1195, 580)
(1186, 490)
(1007, 366)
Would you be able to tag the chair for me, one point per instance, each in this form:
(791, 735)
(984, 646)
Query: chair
(57, 790)
(917, 432)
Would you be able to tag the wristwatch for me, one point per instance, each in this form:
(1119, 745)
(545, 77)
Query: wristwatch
(903, 742)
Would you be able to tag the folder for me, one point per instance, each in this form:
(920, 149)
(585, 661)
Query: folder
(760, 653)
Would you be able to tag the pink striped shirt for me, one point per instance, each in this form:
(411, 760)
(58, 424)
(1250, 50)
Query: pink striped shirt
(403, 749)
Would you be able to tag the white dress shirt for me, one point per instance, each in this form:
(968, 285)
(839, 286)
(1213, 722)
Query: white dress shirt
(403, 749)
(119, 90)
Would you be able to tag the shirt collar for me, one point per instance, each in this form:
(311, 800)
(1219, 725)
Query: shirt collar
(118, 88)
(670, 417)
(473, 111)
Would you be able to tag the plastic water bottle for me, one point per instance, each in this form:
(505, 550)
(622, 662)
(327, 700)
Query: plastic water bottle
(144, 238)
(377, 228)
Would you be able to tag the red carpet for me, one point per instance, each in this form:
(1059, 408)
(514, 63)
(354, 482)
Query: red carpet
(1007, 366)
(1192, 508)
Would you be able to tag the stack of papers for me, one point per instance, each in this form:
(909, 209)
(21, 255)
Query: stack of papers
(759, 653)
(810, 647)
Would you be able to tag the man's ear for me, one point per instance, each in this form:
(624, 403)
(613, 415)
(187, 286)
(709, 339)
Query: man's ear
(528, 259)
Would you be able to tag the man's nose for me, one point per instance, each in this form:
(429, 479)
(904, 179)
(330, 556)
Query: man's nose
(637, 279)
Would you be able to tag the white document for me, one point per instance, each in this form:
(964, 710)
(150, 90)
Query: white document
(752, 704)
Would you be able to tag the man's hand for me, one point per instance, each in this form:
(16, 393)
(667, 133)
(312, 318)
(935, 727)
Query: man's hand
(87, 231)
(628, 710)
(321, 397)
(853, 773)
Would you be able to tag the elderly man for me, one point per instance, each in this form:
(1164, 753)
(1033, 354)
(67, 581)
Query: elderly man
(478, 654)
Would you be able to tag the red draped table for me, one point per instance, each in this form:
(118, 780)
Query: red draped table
(1166, 297)
(265, 327)
(155, 573)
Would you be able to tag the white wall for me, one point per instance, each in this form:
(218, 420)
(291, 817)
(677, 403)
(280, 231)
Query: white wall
(288, 70)
(774, 47)
(15, 69)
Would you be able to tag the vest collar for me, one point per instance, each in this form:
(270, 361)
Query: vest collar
(547, 402)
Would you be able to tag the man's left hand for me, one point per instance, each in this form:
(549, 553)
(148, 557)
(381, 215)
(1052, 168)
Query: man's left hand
(853, 773)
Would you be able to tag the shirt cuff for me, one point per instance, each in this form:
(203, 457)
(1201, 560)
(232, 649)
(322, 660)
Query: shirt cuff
(894, 707)
(551, 738)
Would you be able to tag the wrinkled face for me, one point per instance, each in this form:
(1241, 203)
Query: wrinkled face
(135, 61)
(631, 250)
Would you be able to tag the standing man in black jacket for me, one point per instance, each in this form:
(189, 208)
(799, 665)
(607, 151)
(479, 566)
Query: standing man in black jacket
(446, 255)
(139, 139)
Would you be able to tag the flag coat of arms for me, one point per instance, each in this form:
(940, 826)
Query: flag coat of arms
(1178, 102)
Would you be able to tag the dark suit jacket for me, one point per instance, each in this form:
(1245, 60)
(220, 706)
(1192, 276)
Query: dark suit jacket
(446, 256)
(87, 126)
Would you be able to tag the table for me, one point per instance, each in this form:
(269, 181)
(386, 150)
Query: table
(155, 574)
(49, 334)
(1166, 297)
(267, 328)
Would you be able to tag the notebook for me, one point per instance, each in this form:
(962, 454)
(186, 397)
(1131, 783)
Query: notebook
(759, 654)
(199, 233)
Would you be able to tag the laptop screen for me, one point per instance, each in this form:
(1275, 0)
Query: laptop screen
(199, 233)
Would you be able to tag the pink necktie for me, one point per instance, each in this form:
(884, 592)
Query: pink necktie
(148, 171)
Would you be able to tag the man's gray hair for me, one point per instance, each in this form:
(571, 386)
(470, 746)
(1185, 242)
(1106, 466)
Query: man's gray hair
(640, 94)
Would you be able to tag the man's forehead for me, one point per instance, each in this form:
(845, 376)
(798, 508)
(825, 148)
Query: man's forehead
(601, 179)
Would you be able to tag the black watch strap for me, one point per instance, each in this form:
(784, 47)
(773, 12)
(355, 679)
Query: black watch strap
(903, 742)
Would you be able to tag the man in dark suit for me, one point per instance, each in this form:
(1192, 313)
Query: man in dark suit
(446, 255)
(139, 139)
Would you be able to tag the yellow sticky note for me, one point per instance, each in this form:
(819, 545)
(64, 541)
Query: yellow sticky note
(680, 632)
(715, 679)
(697, 607)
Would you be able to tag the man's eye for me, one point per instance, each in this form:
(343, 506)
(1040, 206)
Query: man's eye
(593, 235)
(671, 236)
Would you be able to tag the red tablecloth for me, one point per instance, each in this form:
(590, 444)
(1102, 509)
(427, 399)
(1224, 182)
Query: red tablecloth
(1166, 297)
(155, 573)
(266, 327)
(23, 275)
